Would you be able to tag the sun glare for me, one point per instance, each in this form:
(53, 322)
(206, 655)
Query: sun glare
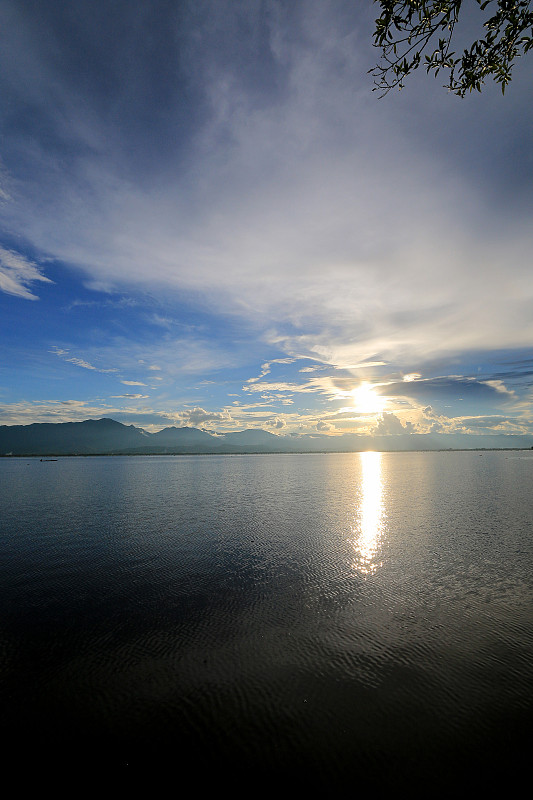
(369, 520)
(367, 401)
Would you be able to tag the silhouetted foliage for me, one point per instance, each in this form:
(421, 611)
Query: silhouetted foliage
(415, 32)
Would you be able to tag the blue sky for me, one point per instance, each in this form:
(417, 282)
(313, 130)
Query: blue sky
(208, 218)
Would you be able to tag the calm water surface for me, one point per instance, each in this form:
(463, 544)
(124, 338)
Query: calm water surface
(334, 618)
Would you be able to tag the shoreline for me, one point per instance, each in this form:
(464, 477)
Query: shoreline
(268, 453)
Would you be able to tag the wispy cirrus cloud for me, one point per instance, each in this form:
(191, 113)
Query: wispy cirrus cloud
(267, 366)
(79, 362)
(18, 273)
(131, 396)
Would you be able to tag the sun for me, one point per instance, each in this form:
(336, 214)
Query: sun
(367, 401)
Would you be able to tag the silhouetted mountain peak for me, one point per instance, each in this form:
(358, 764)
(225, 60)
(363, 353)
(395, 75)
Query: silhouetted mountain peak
(251, 436)
(104, 422)
(186, 435)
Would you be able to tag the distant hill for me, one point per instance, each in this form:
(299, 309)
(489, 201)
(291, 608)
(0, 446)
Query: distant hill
(184, 439)
(106, 436)
(181, 435)
(68, 438)
(252, 437)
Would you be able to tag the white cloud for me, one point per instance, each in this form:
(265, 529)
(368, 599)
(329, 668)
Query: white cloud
(277, 423)
(280, 386)
(25, 413)
(199, 416)
(133, 383)
(266, 368)
(79, 362)
(17, 273)
(323, 427)
(499, 386)
(133, 396)
(390, 425)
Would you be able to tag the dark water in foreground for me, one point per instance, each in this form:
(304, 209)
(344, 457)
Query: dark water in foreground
(339, 620)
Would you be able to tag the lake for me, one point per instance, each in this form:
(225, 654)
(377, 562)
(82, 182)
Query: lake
(325, 620)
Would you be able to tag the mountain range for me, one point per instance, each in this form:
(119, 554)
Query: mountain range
(108, 437)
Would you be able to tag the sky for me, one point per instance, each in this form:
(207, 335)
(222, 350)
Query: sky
(208, 218)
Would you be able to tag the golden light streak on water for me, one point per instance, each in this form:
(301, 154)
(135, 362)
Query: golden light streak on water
(369, 519)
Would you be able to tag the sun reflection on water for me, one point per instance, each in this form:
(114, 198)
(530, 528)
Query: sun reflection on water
(369, 520)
